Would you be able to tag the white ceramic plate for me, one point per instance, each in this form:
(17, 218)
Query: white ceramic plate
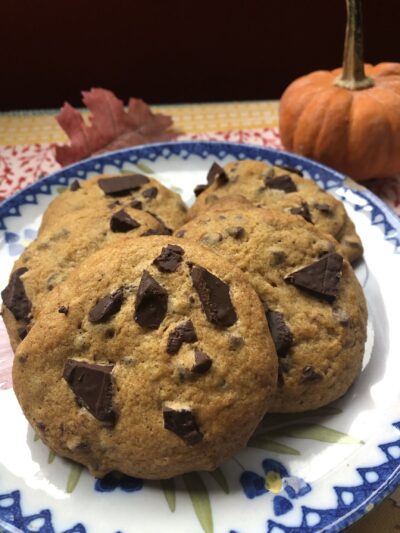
(319, 471)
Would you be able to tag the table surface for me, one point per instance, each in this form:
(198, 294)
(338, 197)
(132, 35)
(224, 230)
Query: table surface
(33, 133)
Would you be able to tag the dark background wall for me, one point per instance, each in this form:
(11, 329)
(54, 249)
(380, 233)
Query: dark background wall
(178, 50)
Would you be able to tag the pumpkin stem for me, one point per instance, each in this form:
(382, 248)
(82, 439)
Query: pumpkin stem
(353, 75)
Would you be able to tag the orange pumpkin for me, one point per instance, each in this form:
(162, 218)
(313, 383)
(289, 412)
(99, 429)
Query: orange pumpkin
(348, 118)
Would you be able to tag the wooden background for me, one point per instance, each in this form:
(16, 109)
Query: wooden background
(178, 50)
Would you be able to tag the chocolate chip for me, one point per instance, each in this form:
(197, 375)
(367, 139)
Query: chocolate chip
(63, 310)
(326, 209)
(15, 298)
(181, 233)
(106, 307)
(151, 302)
(202, 362)
(121, 222)
(22, 332)
(199, 189)
(122, 185)
(183, 333)
(218, 174)
(214, 296)
(136, 204)
(291, 169)
(280, 332)
(282, 183)
(92, 386)
(303, 211)
(41, 426)
(183, 423)
(150, 193)
(235, 342)
(160, 231)
(281, 378)
(341, 316)
(235, 231)
(75, 185)
(321, 278)
(277, 257)
(169, 259)
(310, 374)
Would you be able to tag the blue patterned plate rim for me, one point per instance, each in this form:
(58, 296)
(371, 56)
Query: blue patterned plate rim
(390, 223)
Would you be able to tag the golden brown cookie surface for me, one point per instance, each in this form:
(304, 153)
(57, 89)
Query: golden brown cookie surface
(314, 304)
(58, 250)
(275, 187)
(124, 190)
(161, 364)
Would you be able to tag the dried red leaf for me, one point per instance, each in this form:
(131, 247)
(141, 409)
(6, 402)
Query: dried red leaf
(110, 128)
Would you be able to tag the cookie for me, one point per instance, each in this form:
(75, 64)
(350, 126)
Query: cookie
(99, 192)
(59, 249)
(314, 304)
(281, 188)
(162, 365)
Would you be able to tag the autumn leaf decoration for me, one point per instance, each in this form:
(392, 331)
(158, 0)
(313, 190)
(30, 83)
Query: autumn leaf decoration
(110, 127)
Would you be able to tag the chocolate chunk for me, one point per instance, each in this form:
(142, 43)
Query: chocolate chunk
(291, 169)
(93, 388)
(235, 231)
(202, 362)
(106, 307)
(326, 209)
(283, 183)
(122, 185)
(214, 296)
(182, 423)
(321, 278)
(136, 204)
(150, 193)
(303, 211)
(310, 374)
(280, 332)
(63, 310)
(114, 204)
(281, 378)
(151, 302)
(180, 233)
(22, 332)
(161, 231)
(15, 298)
(218, 174)
(75, 185)
(200, 188)
(169, 258)
(183, 333)
(235, 342)
(121, 222)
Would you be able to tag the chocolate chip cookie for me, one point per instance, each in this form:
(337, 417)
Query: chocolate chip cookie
(313, 302)
(285, 189)
(59, 249)
(136, 190)
(153, 358)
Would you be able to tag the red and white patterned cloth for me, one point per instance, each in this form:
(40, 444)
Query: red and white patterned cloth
(21, 165)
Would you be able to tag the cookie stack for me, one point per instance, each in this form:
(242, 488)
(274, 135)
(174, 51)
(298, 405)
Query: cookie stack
(152, 341)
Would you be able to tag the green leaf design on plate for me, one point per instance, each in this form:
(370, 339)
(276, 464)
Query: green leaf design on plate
(263, 443)
(73, 478)
(200, 500)
(61, 189)
(51, 457)
(176, 189)
(36, 437)
(316, 432)
(168, 487)
(144, 168)
(220, 478)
